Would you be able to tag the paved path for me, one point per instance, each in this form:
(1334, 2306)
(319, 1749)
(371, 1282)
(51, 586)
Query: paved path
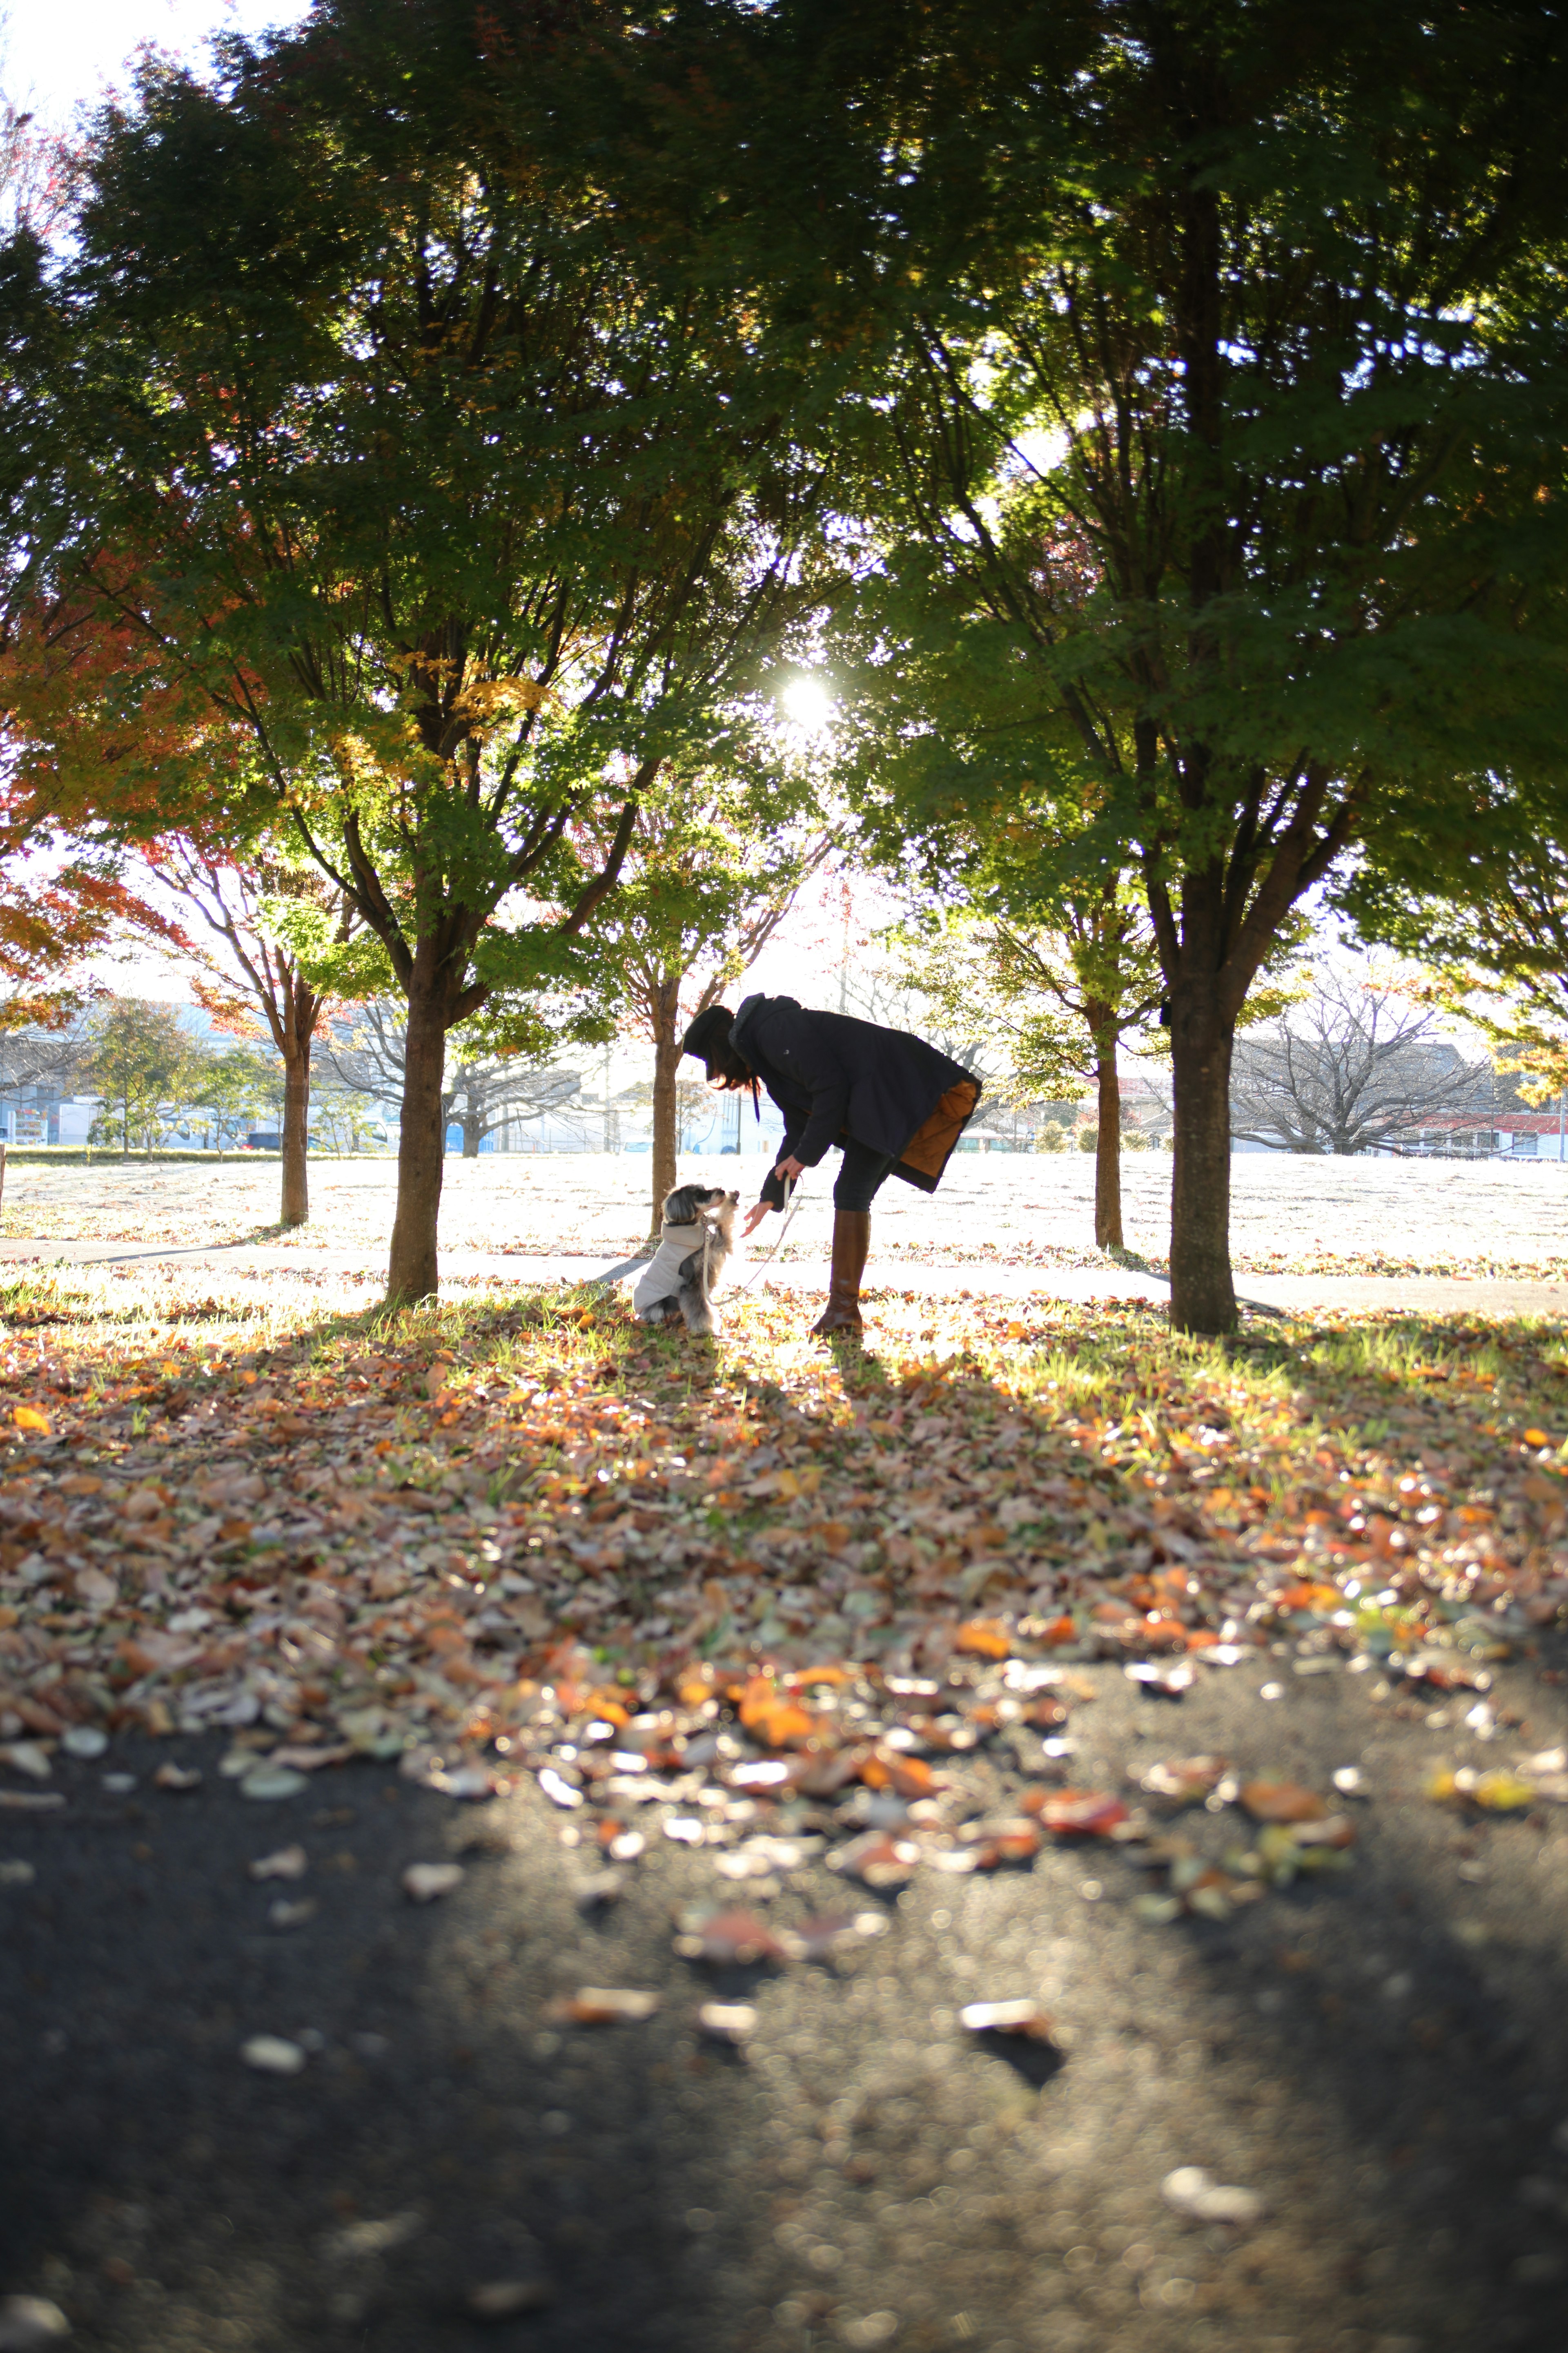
(1382, 2058)
(1292, 1294)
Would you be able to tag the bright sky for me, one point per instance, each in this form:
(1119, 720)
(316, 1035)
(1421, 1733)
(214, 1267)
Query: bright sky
(59, 54)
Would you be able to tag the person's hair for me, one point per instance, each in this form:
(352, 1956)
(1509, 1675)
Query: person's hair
(726, 1065)
(708, 1040)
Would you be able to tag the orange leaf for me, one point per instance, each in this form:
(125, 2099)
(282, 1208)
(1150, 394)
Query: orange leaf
(1076, 1814)
(985, 1638)
(728, 1937)
(1281, 1801)
(1014, 1842)
(30, 1418)
(906, 1776)
(1536, 1437)
(774, 1720)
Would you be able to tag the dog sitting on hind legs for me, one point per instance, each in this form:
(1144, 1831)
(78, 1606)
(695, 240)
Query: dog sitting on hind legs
(697, 1240)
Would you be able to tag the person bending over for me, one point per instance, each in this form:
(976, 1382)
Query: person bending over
(896, 1105)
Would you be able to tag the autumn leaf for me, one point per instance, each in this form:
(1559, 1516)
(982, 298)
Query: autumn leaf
(28, 1417)
(984, 1638)
(1281, 1801)
(1076, 1814)
(773, 1721)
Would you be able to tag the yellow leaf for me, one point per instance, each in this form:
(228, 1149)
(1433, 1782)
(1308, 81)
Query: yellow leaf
(30, 1418)
(1500, 1793)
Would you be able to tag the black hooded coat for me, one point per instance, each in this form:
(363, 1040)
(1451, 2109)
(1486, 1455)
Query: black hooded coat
(837, 1080)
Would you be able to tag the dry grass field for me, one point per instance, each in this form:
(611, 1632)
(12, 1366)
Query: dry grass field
(1289, 1215)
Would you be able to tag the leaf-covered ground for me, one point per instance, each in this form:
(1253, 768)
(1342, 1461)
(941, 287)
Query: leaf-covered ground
(989, 1838)
(1289, 1215)
(734, 1592)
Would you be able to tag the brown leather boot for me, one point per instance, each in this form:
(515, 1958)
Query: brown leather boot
(851, 1241)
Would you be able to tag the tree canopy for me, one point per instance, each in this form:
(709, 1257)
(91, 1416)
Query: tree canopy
(1209, 443)
(379, 441)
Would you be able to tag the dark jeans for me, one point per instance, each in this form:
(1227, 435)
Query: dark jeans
(861, 1174)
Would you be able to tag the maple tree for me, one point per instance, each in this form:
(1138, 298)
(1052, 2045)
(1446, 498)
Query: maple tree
(479, 520)
(713, 870)
(274, 924)
(1058, 1002)
(1207, 356)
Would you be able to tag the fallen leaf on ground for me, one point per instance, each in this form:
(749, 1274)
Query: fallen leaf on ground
(607, 2006)
(728, 1937)
(1281, 1801)
(285, 1862)
(1022, 2017)
(508, 2299)
(727, 2021)
(1191, 2191)
(273, 2055)
(423, 1881)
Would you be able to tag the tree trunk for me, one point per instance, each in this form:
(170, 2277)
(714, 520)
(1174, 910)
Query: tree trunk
(666, 1001)
(1202, 1297)
(473, 1136)
(421, 1149)
(296, 1205)
(1107, 1143)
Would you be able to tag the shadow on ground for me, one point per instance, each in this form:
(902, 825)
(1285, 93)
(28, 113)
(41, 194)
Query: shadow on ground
(1383, 2059)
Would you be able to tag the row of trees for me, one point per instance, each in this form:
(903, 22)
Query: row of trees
(445, 434)
(160, 1083)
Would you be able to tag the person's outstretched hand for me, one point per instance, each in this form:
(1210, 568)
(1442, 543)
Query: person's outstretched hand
(754, 1216)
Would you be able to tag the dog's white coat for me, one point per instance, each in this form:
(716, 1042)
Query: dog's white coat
(660, 1278)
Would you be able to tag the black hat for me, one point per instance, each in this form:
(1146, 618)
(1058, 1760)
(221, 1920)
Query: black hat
(708, 1039)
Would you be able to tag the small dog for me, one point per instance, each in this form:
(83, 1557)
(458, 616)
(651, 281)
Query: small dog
(695, 1243)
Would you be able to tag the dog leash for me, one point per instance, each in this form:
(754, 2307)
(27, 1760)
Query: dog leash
(792, 1193)
(630, 1265)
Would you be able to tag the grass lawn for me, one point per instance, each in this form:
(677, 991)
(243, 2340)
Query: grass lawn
(1289, 1215)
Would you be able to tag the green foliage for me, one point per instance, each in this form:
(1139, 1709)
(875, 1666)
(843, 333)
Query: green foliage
(145, 1065)
(1487, 912)
(1055, 1003)
(1211, 478)
(233, 1087)
(482, 521)
(1203, 385)
(714, 866)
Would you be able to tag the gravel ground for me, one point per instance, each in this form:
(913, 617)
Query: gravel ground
(1288, 1215)
(1380, 2057)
